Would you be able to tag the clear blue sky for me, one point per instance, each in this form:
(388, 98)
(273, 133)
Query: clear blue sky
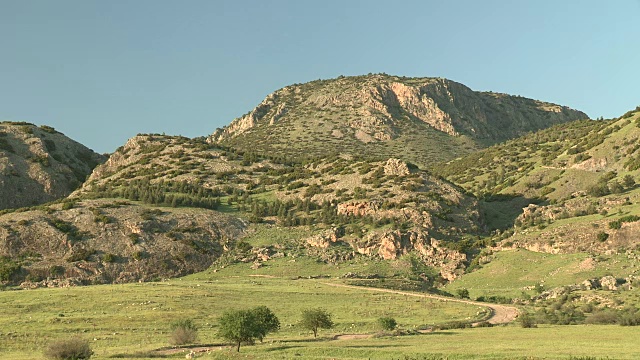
(103, 71)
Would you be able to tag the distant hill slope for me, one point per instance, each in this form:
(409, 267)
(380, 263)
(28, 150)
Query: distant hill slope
(555, 163)
(420, 120)
(582, 177)
(39, 164)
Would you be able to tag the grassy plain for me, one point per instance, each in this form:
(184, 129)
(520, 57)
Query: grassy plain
(132, 320)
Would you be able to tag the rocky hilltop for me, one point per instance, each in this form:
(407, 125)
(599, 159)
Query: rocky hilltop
(416, 119)
(40, 164)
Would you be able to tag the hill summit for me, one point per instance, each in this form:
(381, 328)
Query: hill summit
(39, 164)
(418, 119)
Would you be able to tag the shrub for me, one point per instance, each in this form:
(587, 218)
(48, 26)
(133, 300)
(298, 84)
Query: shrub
(462, 293)
(183, 331)
(603, 236)
(8, 268)
(70, 349)
(109, 257)
(387, 323)
(56, 270)
(616, 224)
(80, 254)
(527, 321)
(602, 317)
(454, 325)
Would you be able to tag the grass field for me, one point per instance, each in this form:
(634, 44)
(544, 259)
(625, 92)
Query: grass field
(124, 319)
(511, 272)
(131, 321)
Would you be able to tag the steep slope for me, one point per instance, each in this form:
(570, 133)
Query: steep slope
(109, 241)
(583, 177)
(39, 164)
(420, 120)
(345, 205)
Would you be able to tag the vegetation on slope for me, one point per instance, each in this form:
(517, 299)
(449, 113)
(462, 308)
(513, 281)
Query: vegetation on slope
(40, 164)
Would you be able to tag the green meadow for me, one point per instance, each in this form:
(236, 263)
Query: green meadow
(132, 320)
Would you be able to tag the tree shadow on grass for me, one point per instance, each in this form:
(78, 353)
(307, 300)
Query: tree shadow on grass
(319, 339)
(285, 347)
(438, 332)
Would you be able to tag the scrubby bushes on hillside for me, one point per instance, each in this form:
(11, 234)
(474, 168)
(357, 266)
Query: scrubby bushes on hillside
(70, 349)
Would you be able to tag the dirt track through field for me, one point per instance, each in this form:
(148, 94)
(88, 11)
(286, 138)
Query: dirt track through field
(500, 314)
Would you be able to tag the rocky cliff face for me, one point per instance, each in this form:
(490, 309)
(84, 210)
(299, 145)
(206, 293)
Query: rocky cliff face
(39, 164)
(109, 241)
(351, 111)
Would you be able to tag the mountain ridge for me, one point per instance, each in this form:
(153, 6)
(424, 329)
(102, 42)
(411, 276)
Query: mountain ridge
(434, 118)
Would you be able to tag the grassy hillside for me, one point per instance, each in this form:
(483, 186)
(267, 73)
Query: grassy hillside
(553, 163)
(344, 205)
(580, 177)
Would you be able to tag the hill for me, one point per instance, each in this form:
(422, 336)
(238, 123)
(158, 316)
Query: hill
(109, 241)
(420, 120)
(344, 206)
(40, 164)
(569, 188)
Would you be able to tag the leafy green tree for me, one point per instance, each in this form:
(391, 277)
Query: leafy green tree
(239, 327)
(314, 319)
(244, 326)
(463, 293)
(266, 321)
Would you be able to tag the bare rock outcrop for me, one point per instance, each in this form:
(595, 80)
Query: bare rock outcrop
(392, 244)
(396, 167)
(106, 241)
(358, 208)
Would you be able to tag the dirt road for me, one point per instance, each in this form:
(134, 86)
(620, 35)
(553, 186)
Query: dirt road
(500, 314)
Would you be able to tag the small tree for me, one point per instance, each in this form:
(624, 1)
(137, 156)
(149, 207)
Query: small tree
(238, 327)
(628, 181)
(387, 323)
(183, 331)
(266, 321)
(70, 349)
(244, 326)
(463, 293)
(314, 319)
